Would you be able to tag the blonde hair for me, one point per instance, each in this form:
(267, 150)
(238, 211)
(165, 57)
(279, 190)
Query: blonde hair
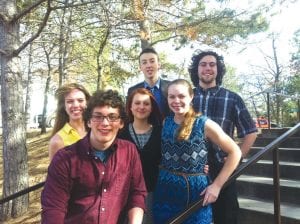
(186, 126)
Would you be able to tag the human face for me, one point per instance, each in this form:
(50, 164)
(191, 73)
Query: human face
(179, 99)
(149, 65)
(141, 106)
(75, 104)
(207, 71)
(103, 131)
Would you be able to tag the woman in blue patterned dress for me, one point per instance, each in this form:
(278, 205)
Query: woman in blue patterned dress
(181, 179)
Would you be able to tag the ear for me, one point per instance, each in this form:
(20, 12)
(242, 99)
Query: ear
(121, 124)
(192, 97)
(159, 65)
(89, 124)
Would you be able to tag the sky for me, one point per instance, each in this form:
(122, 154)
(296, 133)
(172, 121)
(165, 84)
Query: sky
(285, 23)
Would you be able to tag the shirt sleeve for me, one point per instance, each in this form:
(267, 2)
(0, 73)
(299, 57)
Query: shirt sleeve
(244, 123)
(138, 190)
(56, 192)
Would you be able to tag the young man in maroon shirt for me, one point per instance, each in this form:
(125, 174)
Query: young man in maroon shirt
(98, 179)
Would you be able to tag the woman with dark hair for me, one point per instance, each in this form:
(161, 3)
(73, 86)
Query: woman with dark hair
(144, 130)
(69, 124)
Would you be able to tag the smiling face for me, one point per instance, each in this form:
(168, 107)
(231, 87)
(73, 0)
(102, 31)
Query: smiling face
(104, 130)
(75, 104)
(179, 99)
(207, 71)
(141, 106)
(149, 65)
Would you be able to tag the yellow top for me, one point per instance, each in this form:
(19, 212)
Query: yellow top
(69, 135)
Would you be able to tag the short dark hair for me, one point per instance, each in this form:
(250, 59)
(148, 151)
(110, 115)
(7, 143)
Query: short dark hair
(193, 68)
(105, 98)
(148, 50)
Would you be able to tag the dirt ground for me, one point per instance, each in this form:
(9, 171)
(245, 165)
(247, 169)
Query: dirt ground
(38, 163)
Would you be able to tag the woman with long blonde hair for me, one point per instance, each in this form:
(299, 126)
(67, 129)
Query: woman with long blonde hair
(181, 179)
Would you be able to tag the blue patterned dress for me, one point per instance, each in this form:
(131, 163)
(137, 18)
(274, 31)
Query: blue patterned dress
(181, 178)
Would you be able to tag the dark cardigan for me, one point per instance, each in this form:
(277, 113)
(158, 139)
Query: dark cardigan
(150, 155)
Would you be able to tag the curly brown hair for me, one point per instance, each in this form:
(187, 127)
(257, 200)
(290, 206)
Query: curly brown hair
(105, 98)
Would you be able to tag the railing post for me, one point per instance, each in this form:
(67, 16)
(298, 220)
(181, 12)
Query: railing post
(268, 110)
(298, 111)
(276, 184)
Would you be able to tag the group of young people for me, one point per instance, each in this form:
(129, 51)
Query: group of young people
(145, 163)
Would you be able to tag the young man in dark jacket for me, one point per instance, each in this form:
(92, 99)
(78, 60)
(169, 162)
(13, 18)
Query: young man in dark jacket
(149, 64)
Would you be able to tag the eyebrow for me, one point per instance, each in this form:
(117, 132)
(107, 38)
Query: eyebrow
(153, 58)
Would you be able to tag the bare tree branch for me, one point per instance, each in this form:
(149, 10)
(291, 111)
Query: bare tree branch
(27, 10)
(75, 5)
(33, 37)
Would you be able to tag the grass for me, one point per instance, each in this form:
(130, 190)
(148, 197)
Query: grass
(38, 161)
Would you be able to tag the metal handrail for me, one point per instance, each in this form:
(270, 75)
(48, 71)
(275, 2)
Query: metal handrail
(241, 169)
(22, 192)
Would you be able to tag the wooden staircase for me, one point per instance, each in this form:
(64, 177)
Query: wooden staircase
(255, 186)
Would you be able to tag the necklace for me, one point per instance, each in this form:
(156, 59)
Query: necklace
(136, 138)
(140, 139)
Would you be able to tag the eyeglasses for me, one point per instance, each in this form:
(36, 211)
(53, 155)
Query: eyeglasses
(109, 118)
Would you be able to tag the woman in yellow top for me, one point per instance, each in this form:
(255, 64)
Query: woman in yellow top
(69, 124)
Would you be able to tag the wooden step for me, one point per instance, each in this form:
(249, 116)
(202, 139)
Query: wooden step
(253, 211)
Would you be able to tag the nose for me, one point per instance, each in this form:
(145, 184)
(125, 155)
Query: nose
(176, 99)
(75, 103)
(104, 121)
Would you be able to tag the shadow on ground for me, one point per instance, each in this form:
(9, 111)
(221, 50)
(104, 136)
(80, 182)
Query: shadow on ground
(38, 161)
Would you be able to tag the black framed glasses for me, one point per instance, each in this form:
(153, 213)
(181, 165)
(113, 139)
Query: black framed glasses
(97, 118)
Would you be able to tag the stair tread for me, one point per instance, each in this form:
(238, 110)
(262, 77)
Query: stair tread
(269, 180)
(273, 137)
(286, 210)
(280, 148)
(262, 161)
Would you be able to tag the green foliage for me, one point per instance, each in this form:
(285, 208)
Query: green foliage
(231, 80)
(179, 22)
(289, 112)
(295, 60)
(215, 28)
(293, 85)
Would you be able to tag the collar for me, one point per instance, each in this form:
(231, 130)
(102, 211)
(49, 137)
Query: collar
(212, 90)
(157, 84)
(102, 155)
(68, 128)
(90, 150)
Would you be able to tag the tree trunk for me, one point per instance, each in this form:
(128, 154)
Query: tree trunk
(44, 114)
(99, 54)
(28, 88)
(15, 167)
